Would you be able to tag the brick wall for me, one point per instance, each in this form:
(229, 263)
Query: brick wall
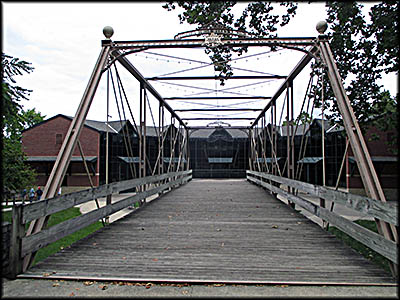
(387, 172)
(46, 139)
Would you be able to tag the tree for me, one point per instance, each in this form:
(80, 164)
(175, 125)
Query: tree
(257, 19)
(363, 51)
(384, 30)
(16, 174)
(386, 119)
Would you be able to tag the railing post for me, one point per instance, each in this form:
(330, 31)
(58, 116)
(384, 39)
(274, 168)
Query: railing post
(17, 233)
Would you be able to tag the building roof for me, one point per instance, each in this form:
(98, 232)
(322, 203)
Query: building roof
(300, 130)
(100, 126)
(113, 126)
(206, 133)
(53, 158)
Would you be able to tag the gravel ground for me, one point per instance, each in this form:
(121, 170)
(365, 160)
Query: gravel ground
(57, 288)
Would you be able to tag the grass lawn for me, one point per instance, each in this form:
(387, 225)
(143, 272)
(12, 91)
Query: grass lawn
(359, 247)
(64, 242)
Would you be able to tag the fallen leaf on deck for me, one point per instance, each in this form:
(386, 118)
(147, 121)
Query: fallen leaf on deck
(72, 294)
(274, 226)
(219, 284)
(87, 283)
(103, 287)
(155, 259)
(56, 284)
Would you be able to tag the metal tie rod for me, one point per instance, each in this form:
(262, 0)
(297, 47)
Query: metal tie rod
(218, 98)
(216, 77)
(218, 109)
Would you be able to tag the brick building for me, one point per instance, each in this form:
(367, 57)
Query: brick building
(42, 142)
(384, 158)
(214, 153)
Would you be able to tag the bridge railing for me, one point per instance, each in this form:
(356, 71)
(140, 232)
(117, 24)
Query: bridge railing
(21, 245)
(385, 211)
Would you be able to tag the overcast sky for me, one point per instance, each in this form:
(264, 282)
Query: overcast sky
(63, 41)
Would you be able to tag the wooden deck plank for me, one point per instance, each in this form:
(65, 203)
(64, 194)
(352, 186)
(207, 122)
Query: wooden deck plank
(214, 230)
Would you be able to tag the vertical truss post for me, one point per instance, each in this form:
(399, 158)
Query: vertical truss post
(264, 140)
(187, 149)
(251, 150)
(160, 137)
(289, 135)
(108, 197)
(361, 153)
(293, 134)
(68, 146)
(162, 140)
(273, 137)
(321, 200)
(144, 135)
(140, 188)
(142, 146)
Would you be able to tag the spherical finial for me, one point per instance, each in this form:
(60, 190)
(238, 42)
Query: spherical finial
(108, 31)
(321, 27)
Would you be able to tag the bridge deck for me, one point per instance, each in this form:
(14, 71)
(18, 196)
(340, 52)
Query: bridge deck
(213, 231)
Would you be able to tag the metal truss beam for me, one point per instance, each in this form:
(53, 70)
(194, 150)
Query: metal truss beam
(196, 43)
(365, 166)
(222, 118)
(219, 98)
(299, 67)
(131, 69)
(70, 141)
(216, 77)
(218, 127)
(219, 109)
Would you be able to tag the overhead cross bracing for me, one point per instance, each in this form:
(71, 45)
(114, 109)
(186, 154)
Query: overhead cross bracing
(173, 118)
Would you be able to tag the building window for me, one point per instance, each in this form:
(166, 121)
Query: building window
(58, 139)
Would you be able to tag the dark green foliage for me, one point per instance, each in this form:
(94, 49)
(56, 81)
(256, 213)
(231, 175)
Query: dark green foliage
(257, 19)
(384, 30)
(16, 174)
(359, 50)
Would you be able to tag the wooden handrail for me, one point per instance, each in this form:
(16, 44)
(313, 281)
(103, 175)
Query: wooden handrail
(41, 239)
(22, 245)
(384, 211)
(376, 242)
(50, 206)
